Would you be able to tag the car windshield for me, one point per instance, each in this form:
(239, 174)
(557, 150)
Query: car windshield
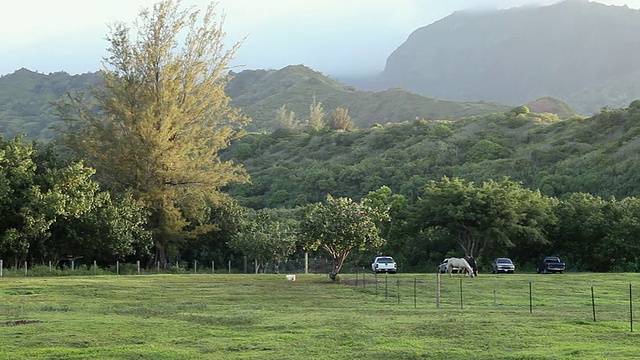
(385, 260)
(552, 259)
(503, 261)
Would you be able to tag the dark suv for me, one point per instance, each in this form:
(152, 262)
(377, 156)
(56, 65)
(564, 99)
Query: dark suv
(551, 264)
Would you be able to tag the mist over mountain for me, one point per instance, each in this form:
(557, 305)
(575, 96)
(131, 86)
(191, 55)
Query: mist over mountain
(585, 53)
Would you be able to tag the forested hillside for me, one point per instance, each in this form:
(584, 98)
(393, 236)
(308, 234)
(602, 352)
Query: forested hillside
(25, 101)
(26, 97)
(596, 155)
(260, 93)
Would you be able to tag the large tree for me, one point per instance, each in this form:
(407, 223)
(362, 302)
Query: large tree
(51, 207)
(497, 214)
(160, 116)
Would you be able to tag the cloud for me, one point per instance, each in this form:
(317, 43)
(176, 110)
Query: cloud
(332, 36)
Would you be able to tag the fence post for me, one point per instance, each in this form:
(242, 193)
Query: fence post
(195, 266)
(1, 266)
(95, 267)
(306, 262)
(415, 282)
(138, 265)
(118, 267)
(25, 268)
(213, 267)
(438, 290)
(375, 279)
(229, 266)
(530, 298)
(364, 281)
(385, 286)
(50, 266)
(630, 308)
(593, 303)
(158, 267)
(461, 302)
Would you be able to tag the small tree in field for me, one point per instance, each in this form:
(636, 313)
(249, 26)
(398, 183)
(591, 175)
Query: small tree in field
(267, 236)
(340, 225)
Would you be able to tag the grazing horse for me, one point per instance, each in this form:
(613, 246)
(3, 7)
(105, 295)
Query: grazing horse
(459, 263)
(472, 262)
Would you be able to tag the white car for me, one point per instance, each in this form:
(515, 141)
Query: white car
(384, 264)
(442, 268)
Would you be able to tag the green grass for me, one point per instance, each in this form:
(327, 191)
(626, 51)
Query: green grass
(219, 316)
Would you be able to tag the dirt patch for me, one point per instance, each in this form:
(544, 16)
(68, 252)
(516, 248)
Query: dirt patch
(20, 322)
(359, 282)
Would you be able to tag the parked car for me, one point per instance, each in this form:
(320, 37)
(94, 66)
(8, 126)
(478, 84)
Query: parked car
(551, 264)
(442, 268)
(503, 265)
(384, 264)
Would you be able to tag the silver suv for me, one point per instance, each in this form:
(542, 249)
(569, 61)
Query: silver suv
(502, 265)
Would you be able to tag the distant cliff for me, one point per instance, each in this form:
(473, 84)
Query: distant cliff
(585, 53)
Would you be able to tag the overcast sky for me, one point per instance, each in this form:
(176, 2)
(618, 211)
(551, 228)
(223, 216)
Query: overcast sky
(336, 37)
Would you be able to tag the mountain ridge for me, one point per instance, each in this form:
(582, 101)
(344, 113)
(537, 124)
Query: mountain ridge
(26, 97)
(565, 50)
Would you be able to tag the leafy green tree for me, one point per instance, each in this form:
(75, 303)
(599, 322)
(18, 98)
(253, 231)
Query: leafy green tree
(159, 118)
(596, 234)
(498, 214)
(267, 237)
(486, 150)
(340, 225)
(52, 207)
(113, 229)
(520, 110)
(212, 245)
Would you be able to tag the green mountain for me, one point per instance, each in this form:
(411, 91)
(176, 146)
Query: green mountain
(25, 101)
(261, 92)
(582, 52)
(26, 96)
(597, 155)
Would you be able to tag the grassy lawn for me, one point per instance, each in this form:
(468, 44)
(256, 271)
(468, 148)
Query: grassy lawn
(266, 317)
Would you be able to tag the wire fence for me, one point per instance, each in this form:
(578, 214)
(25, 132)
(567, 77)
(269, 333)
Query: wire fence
(583, 299)
(576, 298)
(232, 266)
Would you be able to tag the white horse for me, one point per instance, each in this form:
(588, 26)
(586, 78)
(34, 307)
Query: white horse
(459, 263)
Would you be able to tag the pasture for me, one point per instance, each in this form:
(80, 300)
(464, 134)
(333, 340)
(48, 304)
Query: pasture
(216, 316)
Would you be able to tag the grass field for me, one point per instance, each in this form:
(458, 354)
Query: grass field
(266, 317)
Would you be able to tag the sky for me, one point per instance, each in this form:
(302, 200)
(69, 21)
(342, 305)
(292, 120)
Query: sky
(335, 37)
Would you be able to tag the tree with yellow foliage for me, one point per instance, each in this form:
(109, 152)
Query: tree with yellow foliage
(160, 116)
